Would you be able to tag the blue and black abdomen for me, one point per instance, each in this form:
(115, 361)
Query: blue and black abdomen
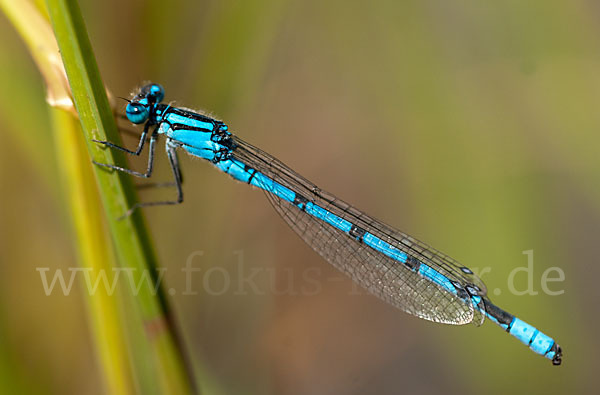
(388, 263)
(529, 335)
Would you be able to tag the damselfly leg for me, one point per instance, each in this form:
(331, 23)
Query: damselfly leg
(173, 161)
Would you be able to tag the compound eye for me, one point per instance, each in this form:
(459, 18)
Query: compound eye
(137, 112)
(157, 92)
(154, 92)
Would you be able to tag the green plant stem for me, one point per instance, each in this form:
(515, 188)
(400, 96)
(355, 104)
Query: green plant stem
(94, 250)
(157, 354)
(132, 242)
(93, 243)
(37, 34)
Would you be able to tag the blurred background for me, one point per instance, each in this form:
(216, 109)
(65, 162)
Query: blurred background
(473, 127)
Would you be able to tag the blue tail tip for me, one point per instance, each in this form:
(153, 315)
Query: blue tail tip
(557, 358)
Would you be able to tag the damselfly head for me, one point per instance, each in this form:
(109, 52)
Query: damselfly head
(137, 111)
(153, 92)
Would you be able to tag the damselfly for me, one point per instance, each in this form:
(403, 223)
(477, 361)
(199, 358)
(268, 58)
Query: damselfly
(388, 263)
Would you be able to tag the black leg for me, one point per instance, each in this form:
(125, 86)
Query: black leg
(140, 144)
(174, 162)
(152, 185)
(148, 172)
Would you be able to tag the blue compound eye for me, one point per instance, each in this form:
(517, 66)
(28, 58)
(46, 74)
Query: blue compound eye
(158, 92)
(137, 112)
(154, 92)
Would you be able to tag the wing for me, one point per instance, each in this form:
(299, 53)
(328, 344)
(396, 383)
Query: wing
(383, 276)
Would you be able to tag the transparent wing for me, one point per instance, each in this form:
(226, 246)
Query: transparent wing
(381, 275)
